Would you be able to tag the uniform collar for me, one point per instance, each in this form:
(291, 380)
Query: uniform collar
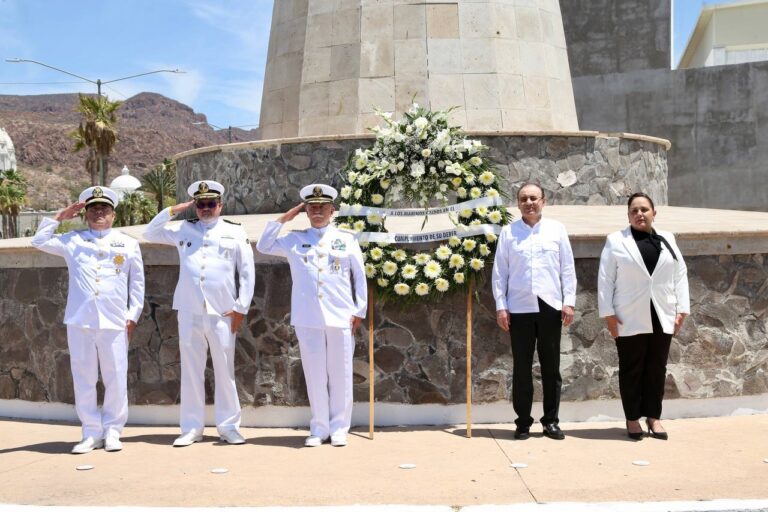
(209, 224)
(320, 231)
(99, 234)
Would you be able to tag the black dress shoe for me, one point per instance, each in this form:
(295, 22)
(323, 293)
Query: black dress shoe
(637, 436)
(552, 431)
(657, 435)
(522, 433)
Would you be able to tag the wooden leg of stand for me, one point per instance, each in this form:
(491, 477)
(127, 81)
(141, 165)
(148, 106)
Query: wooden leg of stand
(469, 359)
(370, 363)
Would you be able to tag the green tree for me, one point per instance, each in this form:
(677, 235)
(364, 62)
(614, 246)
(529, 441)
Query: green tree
(134, 208)
(97, 132)
(161, 182)
(13, 196)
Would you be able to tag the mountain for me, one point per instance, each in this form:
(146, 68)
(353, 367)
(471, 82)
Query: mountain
(150, 127)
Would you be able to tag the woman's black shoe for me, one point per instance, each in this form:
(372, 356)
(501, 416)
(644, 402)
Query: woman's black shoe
(635, 435)
(657, 435)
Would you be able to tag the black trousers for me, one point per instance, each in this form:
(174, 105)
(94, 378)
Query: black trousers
(643, 370)
(541, 332)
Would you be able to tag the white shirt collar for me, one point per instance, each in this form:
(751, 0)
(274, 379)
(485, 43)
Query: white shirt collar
(100, 234)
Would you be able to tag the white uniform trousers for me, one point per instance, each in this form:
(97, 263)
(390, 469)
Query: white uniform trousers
(326, 357)
(198, 333)
(89, 350)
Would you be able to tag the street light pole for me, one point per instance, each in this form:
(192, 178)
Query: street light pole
(229, 128)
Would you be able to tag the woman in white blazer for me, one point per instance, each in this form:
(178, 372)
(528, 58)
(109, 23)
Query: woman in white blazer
(642, 292)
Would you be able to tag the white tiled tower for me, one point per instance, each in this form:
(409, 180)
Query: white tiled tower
(502, 62)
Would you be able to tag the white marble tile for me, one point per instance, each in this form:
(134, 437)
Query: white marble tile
(444, 55)
(410, 22)
(411, 57)
(443, 21)
(478, 55)
(377, 58)
(376, 92)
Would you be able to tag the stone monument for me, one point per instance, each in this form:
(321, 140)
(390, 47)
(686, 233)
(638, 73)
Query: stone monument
(7, 153)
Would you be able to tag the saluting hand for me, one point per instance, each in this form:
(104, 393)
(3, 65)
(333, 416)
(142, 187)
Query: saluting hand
(613, 325)
(178, 208)
(70, 212)
(290, 214)
(502, 318)
(236, 318)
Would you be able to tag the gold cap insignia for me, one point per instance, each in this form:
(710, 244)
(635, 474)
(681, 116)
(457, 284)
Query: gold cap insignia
(317, 192)
(97, 192)
(203, 187)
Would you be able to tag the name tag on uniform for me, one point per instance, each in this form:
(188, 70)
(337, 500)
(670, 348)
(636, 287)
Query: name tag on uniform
(306, 246)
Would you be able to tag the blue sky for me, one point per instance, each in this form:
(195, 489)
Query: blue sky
(221, 44)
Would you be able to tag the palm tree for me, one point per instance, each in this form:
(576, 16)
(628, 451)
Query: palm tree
(161, 182)
(134, 208)
(97, 132)
(13, 194)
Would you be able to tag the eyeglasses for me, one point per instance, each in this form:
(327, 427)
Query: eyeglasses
(202, 205)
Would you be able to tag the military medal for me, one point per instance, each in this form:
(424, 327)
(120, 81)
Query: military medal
(336, 265)
(119, 259)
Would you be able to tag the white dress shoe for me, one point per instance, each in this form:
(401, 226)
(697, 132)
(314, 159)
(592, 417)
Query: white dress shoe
(112, 444)
(231, 437)
(187, 438)
(313, 441)
(339, 440)
(88, 444)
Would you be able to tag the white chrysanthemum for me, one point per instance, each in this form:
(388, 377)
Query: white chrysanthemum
(377, 199)
(492, 192)
(476, 263)
(374, 219)
(469, 244)
(461, 192)
(476, 160)
(456, 261)
(482, 211)
(399, 255)
(359, 225)
(352, 176)
(443, 252)
(495, 216)
(475, 192)
(476, 222)
(458, 277)
(358, 193)
(422, 258)
(344, 225)
(454, 241)
(382, 282)
(432, 269)
(389, 267)
(466, 213)
(484, 250)
(456, 182)
(470, 179)
(442, 285)
(402, 289)
(409, 271)
(376, 253)
(421, 289)
(384, 184)
(491, 237)
(487, 178)
(346, 191)
(370, 270)
(426, 152)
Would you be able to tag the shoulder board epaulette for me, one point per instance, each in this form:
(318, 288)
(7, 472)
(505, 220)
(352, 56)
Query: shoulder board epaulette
(231, 222)
(193, 220)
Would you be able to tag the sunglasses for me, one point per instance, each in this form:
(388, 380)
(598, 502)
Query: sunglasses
(202, 205)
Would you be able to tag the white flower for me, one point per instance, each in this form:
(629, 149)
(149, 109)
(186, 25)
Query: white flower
(358, 193)
(352, 176)
(454, 241)
(376, 253)
(377, 199)
(426, 152)
(492, 192)
(476, 263)
(484, 250)
(495, 216)
(454, 168)
(442, 285)
(422, 258)
(475, 192)
(461, 192)
(370, 270)
(417, 169)
(482, 211)
(399, 255)
(456, 182)
(382, 282)
(360, 163)
(476, 160)
(475, 222)
(344, 225)
(346, 191)
(359, 225)
(456, 261)
(402, 289)
(420, 122)
(490, 237)
(432, 269)
(470, 179)
(389, 268)
(487, 178)
(458, 277)
(409, 271)
(443, 252)
(469, 244)
(374, 219)
(466, 213)
(421, 289)
(384, 184)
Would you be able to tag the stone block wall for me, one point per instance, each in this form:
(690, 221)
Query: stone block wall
(420, 352)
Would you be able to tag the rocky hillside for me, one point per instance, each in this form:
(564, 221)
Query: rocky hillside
(151, 127)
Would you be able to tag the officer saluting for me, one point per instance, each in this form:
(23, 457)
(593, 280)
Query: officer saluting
(216, 279)
(105, 298)
(325, 262)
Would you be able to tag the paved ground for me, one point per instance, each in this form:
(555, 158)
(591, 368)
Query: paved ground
(705, 459)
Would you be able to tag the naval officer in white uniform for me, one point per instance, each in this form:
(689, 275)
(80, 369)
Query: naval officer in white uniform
(328, 302)
(216, 280)
(105, 299)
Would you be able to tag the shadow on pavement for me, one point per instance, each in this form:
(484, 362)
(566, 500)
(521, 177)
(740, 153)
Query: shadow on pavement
(53, 447)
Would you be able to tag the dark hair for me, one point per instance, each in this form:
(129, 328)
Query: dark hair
(640, 194)
(530, 184)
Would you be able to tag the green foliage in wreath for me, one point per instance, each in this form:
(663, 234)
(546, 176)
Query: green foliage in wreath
(421, 160)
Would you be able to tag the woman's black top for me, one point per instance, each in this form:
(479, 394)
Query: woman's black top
(650, 248)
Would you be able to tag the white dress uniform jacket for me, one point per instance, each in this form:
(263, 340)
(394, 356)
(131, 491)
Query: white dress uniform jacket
(209, 256)
(106, 275)
(625, 289)
(322, 262)
(533, 262)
